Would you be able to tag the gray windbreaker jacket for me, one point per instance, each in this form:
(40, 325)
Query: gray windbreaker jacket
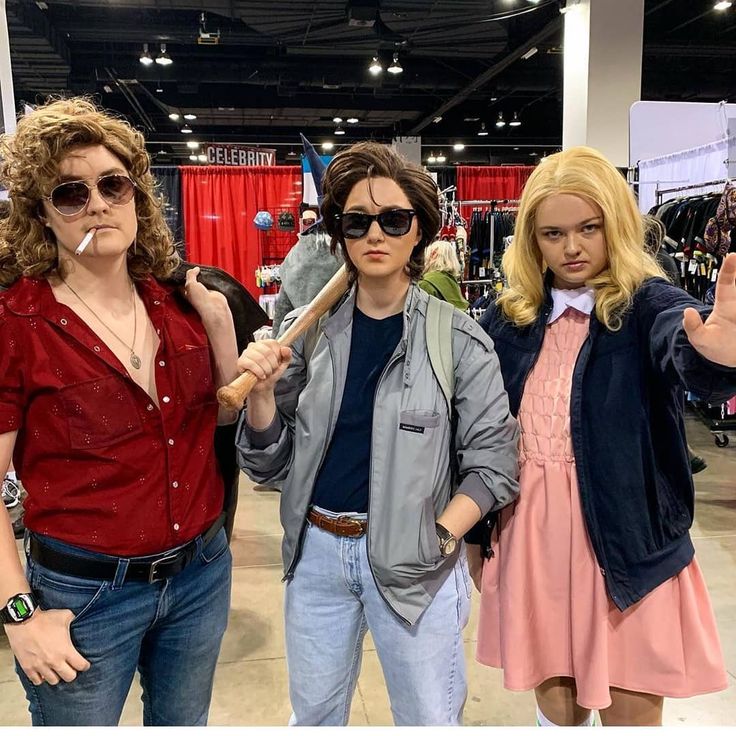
(414, 468)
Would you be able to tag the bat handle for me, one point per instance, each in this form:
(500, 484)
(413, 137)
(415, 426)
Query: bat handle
(234, 394)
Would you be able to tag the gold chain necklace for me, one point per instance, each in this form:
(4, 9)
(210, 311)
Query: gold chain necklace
(135, 361)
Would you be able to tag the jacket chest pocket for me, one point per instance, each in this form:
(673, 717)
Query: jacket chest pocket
(419, 421)
(193, 376)
(100, 413)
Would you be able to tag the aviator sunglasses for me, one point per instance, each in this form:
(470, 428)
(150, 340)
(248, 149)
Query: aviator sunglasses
(71, 197)
(393, 222)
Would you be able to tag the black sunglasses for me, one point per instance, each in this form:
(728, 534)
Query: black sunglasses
(393, 222)
(71, 197)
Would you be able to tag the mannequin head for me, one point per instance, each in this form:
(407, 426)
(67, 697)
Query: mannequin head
(576, 184)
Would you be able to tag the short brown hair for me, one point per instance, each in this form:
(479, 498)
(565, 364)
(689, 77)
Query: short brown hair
(372, 160)
(29, 166)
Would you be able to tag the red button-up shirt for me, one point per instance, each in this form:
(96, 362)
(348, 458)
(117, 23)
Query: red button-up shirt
(105, 469)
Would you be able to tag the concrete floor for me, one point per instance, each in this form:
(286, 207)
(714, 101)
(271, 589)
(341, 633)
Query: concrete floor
(250, 685)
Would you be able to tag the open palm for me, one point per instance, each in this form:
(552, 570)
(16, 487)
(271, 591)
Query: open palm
(715, 339)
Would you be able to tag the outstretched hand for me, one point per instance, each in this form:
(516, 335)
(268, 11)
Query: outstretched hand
(715, 339)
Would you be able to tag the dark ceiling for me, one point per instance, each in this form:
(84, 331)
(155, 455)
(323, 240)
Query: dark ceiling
(281, 68)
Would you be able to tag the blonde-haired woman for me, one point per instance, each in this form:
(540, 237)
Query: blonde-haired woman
(590, 592)
(441, 274)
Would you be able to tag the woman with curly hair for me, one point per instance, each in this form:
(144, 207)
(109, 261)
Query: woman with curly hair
(590, 593)
(107, 406)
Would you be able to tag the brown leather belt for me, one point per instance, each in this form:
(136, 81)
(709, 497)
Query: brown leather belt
(341, 526)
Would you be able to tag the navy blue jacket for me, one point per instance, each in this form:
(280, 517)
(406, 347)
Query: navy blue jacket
(628, 434)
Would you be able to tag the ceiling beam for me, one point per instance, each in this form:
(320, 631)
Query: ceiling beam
(480, 81)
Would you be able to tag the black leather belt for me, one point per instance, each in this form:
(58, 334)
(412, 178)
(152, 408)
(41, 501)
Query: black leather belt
(149, 569)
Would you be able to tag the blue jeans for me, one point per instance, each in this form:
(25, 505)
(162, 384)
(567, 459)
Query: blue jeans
(170, 631)
(332, 601)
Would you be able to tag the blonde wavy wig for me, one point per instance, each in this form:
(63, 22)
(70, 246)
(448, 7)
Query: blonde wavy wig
(29, 165)
(585, 173)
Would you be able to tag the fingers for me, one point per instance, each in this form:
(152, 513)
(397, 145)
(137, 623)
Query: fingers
(726, 283)
(692, 322)
(263, 358)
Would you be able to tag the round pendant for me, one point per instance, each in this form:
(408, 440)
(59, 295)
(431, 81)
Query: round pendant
(135, 361)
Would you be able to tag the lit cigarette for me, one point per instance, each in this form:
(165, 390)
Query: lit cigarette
(85, 242)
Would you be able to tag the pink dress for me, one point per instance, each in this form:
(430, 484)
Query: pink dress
(544, 608)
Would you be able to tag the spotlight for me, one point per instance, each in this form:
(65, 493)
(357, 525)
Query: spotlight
(337, 120)
(173, 116)
(723, 5)
(339, 130)
(458, 147)
(482, 130)
(431, 159)
(441, 158)
(515, 123)
(163, 58)
(375, 68)
(192, 144)
(352, 121)
(190, 116)
(193, 157)
(395, 67)
(500, 123)
(186, 129)
(159, 89)
(202, 157)
(145, 57)
(328, 146)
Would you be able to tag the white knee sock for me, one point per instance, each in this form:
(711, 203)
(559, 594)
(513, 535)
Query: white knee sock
(542, 720)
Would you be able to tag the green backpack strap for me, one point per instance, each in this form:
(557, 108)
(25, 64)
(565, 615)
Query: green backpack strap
(438, 331)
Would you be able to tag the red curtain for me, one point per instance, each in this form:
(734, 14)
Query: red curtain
(490, 182)
(219, 204)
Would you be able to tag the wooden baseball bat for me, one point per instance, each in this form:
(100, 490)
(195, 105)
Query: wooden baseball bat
(234, 394)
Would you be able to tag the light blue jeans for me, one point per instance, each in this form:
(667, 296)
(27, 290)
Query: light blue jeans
(332, 601)
(170, 631)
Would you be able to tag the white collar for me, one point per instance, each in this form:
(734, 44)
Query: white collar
(582, 299)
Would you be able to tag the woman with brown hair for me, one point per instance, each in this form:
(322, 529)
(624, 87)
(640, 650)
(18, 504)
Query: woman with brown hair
(107, 406)
(381, 475)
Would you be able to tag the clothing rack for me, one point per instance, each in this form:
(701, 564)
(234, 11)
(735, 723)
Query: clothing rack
(491, 202)
(659, 192)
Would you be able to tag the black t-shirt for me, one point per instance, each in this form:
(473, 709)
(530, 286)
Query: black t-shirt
(342, 482)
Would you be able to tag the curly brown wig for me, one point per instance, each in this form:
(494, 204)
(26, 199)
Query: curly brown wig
(29, 166)
(372, 160)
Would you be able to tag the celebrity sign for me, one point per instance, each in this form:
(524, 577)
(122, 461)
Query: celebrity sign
(223, 154)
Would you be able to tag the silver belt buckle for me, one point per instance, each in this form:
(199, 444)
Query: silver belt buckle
(154, 566)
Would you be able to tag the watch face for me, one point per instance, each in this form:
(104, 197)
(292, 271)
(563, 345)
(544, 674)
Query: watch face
(20, 607)
(449, 546)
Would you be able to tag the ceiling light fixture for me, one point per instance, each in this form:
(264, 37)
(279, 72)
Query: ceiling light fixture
(192, 144)
(431, 159)
(193, 157)
(441, 158)
(202, 157)
(190, 116)
(337, 120)
(328, 146)
(375, 68)
(500, 123)
(352, 121)
(515, 122)
(438, 119)
(173, 116)
(145, 58)
(395, 67)
(482, 130)
(159, 89)
(186, 130)
(339, 130)
(528, 55)
(723, 5)
(458, 147)
(163, 58)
